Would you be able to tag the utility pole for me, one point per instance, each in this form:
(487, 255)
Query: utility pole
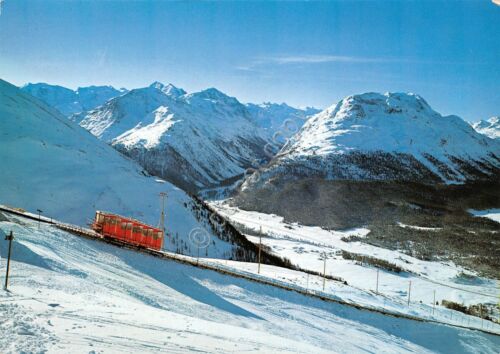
(376, 288)
(434, 303)
(409, 293)
(260, 247)
(9, 238)
(324, 270)
(482, 318)
(163, 195)
(39, 212)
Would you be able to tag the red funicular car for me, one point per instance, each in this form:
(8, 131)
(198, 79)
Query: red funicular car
(127, 230)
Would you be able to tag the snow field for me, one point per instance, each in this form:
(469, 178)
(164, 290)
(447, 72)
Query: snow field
(306, 247)
(77, 295)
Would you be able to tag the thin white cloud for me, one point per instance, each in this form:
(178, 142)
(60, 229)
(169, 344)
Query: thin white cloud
(258, 63)
(318, 59)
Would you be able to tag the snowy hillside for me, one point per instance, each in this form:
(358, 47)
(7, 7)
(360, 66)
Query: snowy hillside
(280, 117)
(381, 161)
(395, 136)
(70, 294)
(68, 101)
(305, 245)
(489, 127)
(193, 140)
(52, 164)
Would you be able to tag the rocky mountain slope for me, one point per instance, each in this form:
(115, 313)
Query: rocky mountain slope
(200, 140)
(194, 140)
(69, 101)
(394, 136)
(52, 164)
(489, 127)
(380, 161)
(280, 117)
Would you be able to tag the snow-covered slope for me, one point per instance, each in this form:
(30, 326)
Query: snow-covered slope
(489, 127)
(280, 117)
(68, 101)
(193, 140)
(395, 136)
(52, 164)
(72, 295)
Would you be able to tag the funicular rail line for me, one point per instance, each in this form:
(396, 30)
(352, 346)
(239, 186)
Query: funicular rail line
(90, 234)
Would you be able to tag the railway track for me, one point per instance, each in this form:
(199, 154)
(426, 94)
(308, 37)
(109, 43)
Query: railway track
(223, 269)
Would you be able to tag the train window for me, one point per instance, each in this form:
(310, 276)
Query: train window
(123, 225)
(150, 233)
(136, 229)
(129, 226)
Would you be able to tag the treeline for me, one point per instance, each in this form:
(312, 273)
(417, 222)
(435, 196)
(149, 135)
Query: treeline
(245, 251)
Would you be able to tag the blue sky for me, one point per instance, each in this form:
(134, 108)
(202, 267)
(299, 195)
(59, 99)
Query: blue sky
(302, 53)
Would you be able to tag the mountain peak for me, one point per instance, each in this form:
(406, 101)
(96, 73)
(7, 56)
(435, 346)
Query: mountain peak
(213, 93)
(157, 85)
(401, 124)
(169, 89)
(174, 91)
(489, 127)
(377, 106)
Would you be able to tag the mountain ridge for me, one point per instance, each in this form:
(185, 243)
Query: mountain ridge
(69, 101)
(382, 137)
(195, 140)
(489, 127)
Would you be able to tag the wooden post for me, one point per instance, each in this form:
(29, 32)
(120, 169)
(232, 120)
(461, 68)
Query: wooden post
(260, 247)
(9, 238)
(162, 217)
(39, 211)
(434, 303)
(482, 319)
(324, 271)
(409, 293)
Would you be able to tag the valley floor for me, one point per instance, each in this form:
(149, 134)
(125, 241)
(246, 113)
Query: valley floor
(307, 246)
(69, 294)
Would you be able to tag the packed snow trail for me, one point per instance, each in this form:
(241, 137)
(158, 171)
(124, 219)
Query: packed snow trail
(70, 294)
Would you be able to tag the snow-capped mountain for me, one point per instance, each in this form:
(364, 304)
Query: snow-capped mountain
(68, 101)
(395, 136)
(193, 140)
(282, 117)
(489, 127)
(52, 164)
